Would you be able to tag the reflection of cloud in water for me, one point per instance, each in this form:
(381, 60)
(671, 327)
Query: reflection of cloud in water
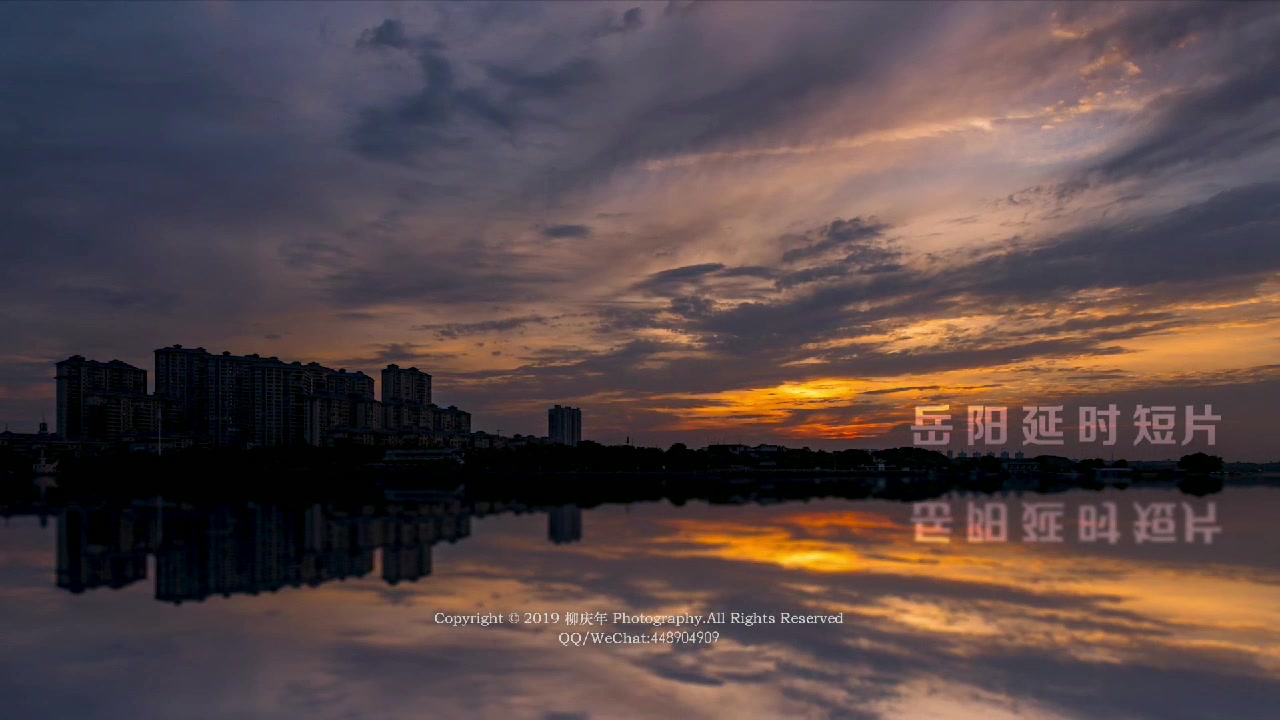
(956, 632)
(933, 699)
(1112, 610)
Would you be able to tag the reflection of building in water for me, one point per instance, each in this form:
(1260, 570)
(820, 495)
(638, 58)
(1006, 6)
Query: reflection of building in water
(406, 554)
(406, 563)
(233, 549)
(564, 524)
(100, 547)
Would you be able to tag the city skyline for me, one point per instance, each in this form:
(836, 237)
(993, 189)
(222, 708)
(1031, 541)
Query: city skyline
(226, 400)
(331, 404)
(848, 211)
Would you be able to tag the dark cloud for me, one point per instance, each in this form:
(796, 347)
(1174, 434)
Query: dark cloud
(667, 280)
(144, 181)
(567, 231)
(1142, 29)
(1232, 119)
(444, 274)
(631, 21)
(692, 306)
(850, 236)
(456, 330)
(1221, 243)
(761, 272)
(862, 243)
(554, 83)
(392, 353)
(1229, 111)
(426, 118)
(122, 298)
(440, 112)
(1224, 241)
(391, 34)
(615, 318)
(889, 391)
(314, 253)
(725, 104)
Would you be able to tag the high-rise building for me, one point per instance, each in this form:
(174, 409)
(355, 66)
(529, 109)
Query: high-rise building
(228, 400)
(564, 425)
(406, 385)
(78, 379)
(401, 415)
(278, 398)
(345, 384)
(238, 400)
(234, 400)
(324, 414)
(111, 416)
(180, 378)
(407, 401)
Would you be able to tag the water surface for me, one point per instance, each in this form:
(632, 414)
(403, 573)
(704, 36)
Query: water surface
(343, 622)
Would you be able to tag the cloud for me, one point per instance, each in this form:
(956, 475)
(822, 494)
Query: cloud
(423, 119)
(843, 236)
(706, 200)
(631, 21)
(1219, 242)
(438, 113)
(391, 34)
(456, 330)
(567, 231)
(1222, 115)
(665, 280)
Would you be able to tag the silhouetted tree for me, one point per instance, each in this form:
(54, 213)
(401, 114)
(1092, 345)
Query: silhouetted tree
(1200, 463)
(991, 464)
(852, 459)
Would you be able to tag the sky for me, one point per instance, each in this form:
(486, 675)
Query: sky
(697, 221)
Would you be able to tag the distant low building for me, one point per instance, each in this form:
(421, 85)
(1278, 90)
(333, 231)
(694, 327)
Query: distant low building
(450, 420)
(1020, 466)
(481, 440)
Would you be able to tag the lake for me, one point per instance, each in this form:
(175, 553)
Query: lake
(255, 611)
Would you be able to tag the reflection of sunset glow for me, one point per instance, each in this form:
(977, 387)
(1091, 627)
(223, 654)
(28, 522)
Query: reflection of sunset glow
(774, 546)
(931, 700)
(944, 620)
(1115, 593)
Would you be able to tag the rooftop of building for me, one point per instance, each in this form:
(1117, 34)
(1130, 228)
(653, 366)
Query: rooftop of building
(80, 360)
(393, 366)
(258, 358)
